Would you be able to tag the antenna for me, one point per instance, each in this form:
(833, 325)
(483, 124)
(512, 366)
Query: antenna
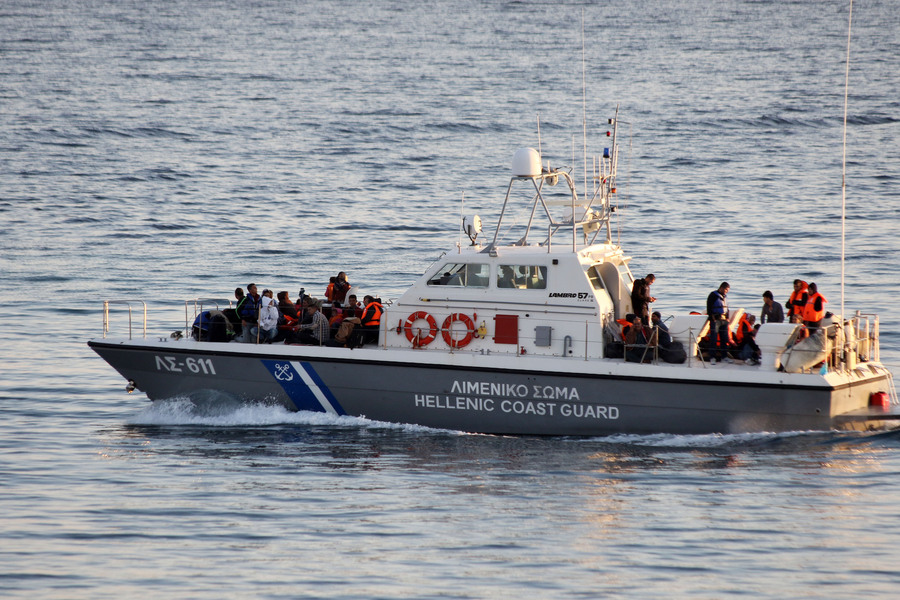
(583, 110)
(541, 154)
(844, 159)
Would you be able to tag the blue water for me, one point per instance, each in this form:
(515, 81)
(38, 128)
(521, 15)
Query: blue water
(169, 150)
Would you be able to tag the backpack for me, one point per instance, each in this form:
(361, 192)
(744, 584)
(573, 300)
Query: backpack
(346, 330)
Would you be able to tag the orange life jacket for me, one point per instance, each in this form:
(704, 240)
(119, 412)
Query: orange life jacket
(329, 292)
(373, 320)
(796, 301)
(744, 327)
(626, 325)
(809, 311)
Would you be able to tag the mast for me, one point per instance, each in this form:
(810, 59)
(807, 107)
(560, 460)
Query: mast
(844, 159)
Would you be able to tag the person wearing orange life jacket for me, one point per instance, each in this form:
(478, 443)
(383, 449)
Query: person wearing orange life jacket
(797, 301)
(814, 309)
(744, 339)
(745, 326)
(340, 288)
(370, 321)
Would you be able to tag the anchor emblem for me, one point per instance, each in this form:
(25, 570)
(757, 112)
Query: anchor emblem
(283, 372)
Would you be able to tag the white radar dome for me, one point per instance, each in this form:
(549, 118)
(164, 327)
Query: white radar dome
(526, 163)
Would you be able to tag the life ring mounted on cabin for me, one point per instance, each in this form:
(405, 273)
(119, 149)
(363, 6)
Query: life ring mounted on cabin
(447, 332)
(416, 338)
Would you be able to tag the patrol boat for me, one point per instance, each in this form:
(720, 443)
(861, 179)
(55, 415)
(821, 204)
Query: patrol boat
(518, 336)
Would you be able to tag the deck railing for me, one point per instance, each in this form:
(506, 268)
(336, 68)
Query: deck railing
(127, 303)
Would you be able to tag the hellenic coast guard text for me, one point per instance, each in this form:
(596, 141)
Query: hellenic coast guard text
(521, 399)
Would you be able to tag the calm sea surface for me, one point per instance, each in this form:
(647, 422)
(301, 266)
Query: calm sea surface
(169, 150)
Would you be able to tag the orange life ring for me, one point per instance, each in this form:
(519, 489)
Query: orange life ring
(416, 338)
(470, 330)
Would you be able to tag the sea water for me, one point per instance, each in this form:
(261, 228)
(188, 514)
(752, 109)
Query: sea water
(170, 150)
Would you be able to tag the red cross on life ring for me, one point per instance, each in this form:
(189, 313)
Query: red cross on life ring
(448, 334)
(416, 338)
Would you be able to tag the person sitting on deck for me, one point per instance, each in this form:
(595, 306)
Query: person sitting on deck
(352, 307)
(337, 316)
(670, 350)
(268, 318)
(303, 302)
(234, 321)
(317, 330)
(287, 308)
(662, 330)
(370, 321)
(745, 342)
(640, 342)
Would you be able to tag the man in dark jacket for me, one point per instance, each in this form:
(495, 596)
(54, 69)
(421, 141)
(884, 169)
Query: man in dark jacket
(772, 312)
(641, 298)
(717, 310)
(248, 311)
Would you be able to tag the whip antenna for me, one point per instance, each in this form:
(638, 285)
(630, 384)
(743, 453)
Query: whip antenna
(844, 158)
(583, 112)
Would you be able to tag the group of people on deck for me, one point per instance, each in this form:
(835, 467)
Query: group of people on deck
(805, 305)
(339, 320)
(645, 331)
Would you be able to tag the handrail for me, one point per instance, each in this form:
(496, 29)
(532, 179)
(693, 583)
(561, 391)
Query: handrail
(127, 303)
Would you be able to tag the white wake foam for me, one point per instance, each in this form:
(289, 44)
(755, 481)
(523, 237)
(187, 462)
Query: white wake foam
(222, 412)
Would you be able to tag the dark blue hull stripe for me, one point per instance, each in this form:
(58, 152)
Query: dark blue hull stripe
(304, 386)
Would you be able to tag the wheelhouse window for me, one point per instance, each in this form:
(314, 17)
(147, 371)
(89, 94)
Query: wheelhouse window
(522, 277)
(462, 275)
